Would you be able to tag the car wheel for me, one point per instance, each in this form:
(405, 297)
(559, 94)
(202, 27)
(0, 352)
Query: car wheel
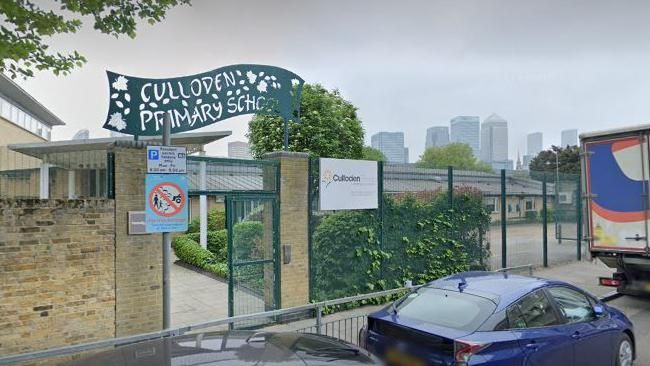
(624, 352)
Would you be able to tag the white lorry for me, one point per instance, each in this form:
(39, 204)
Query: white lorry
(615, 172)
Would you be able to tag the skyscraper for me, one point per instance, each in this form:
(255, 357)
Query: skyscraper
(437, 136)
(534, 143)
(391, 144)
(465, 129)
(494, 139)
(569, 137)
(239, 150)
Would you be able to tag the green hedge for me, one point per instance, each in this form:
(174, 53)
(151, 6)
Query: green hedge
(190, 252)
(247, 240)
(217, 243)
(247, 235)
(422, 239)
(216, 222)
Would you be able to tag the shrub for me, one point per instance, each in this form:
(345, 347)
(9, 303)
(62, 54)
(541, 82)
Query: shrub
(217, 243)
(190, 252)
(216, 222)
(247, 239)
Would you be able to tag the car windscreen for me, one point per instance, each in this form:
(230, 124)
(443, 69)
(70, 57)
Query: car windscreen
(446, 308)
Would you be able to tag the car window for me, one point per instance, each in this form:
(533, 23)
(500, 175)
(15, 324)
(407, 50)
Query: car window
(535, 310)
(515, 317)
(446, 308)
(574, 306)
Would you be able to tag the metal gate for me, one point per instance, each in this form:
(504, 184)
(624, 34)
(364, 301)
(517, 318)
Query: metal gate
(253, 263)
(249, 189)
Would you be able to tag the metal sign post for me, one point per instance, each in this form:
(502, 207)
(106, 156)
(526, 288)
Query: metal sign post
(166, 241)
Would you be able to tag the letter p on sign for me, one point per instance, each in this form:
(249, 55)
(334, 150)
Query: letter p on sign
(153, 155)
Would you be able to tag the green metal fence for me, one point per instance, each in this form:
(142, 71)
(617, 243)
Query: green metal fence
(432, 222)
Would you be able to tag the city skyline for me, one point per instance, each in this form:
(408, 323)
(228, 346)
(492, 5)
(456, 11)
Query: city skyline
(475, 70)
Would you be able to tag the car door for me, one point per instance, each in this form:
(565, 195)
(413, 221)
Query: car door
(592, 337)
(536, 324)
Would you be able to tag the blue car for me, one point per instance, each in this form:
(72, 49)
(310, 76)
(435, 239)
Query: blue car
(488, 318)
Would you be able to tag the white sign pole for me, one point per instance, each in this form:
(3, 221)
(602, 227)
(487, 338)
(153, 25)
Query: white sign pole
(203, 208)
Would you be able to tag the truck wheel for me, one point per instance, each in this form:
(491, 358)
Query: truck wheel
(625, 352)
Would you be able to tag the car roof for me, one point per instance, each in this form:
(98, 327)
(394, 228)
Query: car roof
(237, 348)
(500, 287)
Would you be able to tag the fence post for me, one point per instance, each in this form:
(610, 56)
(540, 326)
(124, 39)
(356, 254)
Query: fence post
(450, 186)
(544, 222)
(579, 219)
(319, 320)
(310, 208)
(504, 261)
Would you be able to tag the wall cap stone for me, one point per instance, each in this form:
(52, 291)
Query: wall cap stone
(286, 155)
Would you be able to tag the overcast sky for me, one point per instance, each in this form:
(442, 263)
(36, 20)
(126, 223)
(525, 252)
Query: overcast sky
(407, 65)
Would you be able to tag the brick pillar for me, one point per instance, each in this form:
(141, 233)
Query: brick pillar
(138, 258)
(294, 230)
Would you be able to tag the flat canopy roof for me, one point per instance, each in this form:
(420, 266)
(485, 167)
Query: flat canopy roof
(193, 140)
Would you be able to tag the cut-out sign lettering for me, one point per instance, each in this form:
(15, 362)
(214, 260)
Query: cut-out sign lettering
(138, 106)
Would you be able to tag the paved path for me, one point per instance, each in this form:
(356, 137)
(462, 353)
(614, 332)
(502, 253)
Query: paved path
(524, 246)
(196, 297)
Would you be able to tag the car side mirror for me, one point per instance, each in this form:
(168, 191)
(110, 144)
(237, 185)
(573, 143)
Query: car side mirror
(599, 310)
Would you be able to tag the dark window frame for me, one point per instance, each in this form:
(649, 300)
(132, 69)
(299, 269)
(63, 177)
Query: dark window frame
(591, 301)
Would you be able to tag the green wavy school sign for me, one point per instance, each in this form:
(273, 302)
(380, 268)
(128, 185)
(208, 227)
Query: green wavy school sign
(138, 106)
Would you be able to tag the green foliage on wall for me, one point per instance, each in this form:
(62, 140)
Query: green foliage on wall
(422, 240)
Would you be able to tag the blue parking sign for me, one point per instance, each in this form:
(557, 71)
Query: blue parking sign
(154, 155)
(166, 203)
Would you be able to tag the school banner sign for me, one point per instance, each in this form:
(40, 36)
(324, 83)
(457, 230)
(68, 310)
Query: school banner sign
(137, 105)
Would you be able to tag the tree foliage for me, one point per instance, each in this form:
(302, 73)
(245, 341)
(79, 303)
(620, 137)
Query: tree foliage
(458, 155)
(26, 26)
(370, 153)
(567, 157)
(328, 127)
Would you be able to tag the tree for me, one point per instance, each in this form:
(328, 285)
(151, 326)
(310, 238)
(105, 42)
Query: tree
(25, 25)
(567, 157)
(458, 155)
(328, 127)
(370, 153)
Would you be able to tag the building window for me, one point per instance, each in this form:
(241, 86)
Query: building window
(23, 119)
(491, 205)
(509, 207)
(530, 205)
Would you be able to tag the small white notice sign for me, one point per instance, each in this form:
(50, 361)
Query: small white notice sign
(348, 184)
(166, 160)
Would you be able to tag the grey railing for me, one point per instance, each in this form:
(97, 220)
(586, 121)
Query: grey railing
(345, 329)
(113, 342)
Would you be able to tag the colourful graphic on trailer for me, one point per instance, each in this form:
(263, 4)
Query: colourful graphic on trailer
(166, 203)
(617, 184)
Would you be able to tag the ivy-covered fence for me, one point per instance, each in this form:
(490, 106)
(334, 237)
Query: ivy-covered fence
(413, 236)
(434, 222)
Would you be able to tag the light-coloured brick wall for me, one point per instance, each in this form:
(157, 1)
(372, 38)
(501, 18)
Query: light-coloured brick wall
(138, 274)
(57, 282)
(294, 229)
